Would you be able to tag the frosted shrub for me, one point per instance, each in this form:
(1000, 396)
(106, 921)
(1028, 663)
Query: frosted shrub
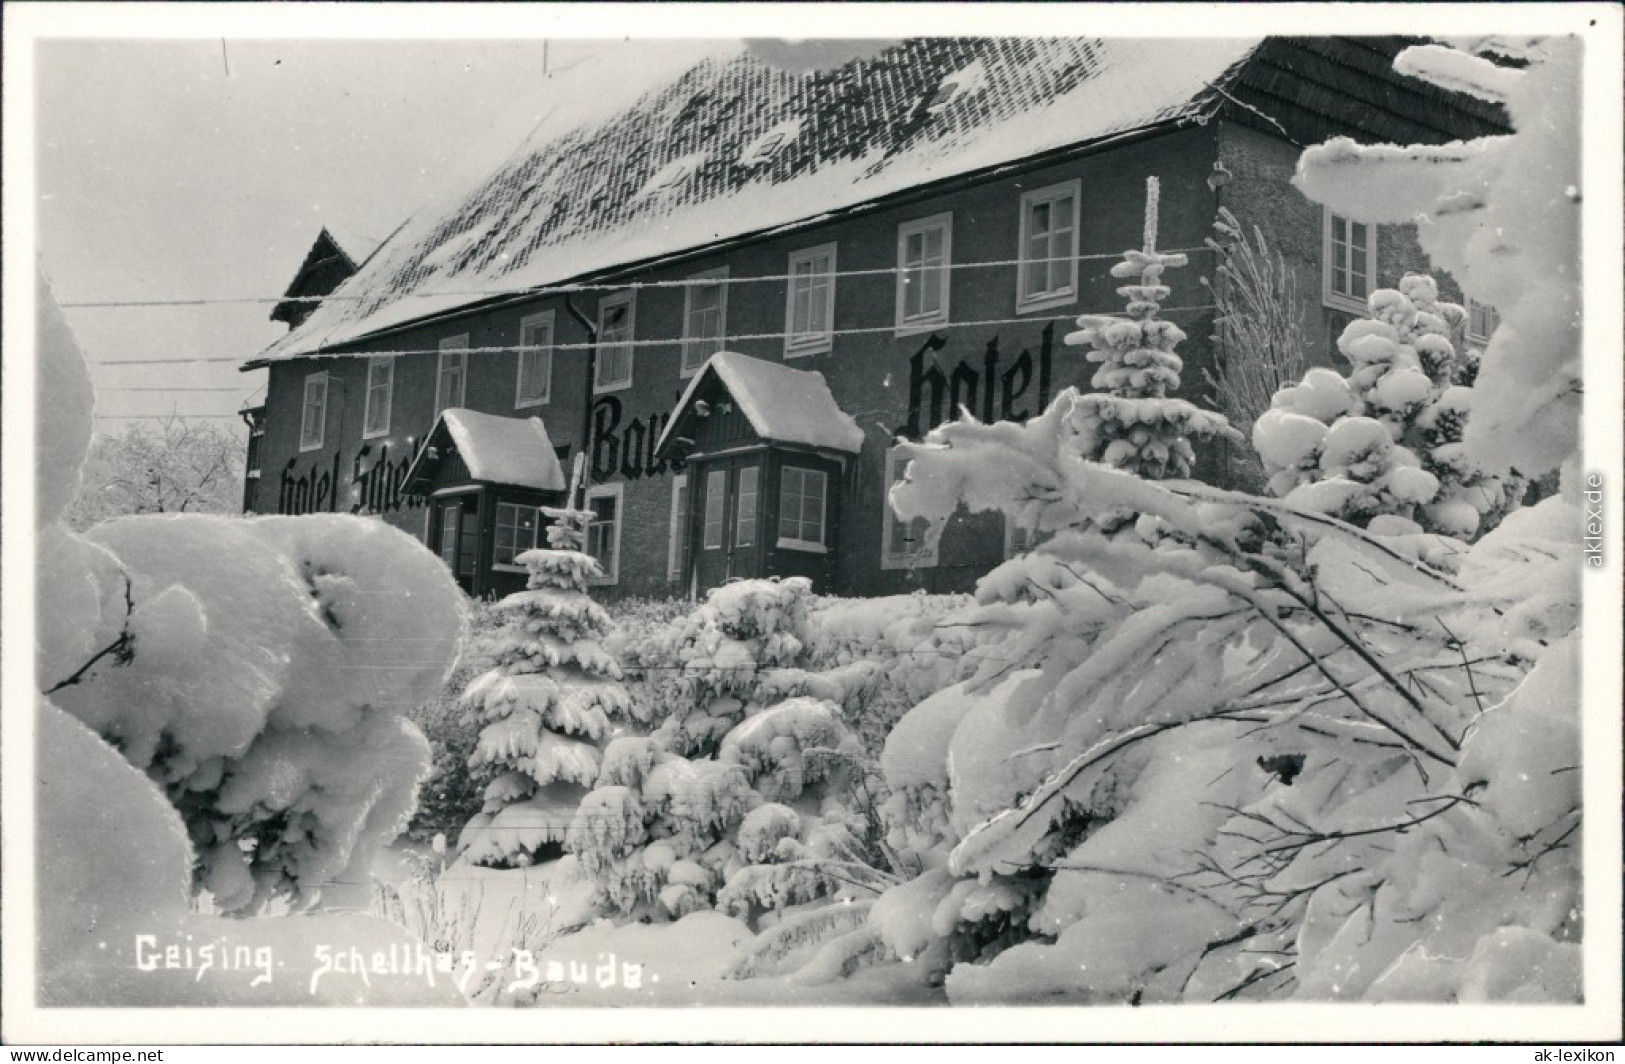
(1383, 446)
(220, 713)
(740, 797)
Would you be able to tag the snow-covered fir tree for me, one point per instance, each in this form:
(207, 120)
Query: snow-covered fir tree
(1129, 422)
(546, 708)
(741, 797)
(1383, 446)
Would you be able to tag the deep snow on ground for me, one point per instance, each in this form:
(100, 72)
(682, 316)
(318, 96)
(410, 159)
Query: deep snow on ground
(577, 961)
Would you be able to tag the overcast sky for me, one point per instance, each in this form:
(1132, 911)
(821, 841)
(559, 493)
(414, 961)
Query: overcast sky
(204, 169)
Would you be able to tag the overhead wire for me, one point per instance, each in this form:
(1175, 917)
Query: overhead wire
(597, 286)
(668, 342)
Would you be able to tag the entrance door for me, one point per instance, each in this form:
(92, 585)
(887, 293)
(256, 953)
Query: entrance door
(457, 535)
(729, 543)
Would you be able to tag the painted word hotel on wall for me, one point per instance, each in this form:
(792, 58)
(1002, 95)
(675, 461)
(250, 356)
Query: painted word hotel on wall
(375, 488)
(989, 390)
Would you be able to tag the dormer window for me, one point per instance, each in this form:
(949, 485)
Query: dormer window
(955, 86)
(673, 174)
(762, 150)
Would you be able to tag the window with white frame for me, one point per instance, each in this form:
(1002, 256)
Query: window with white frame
(535, 360)
(924, 254)
(809, 313)
(1482, 321)
(615, 335)
(677, 543)
(518, 530)
(380, 396)
(451, 376)
(313, 424)
(1048, 272)
(705, 316)
(1350, 261)
(904, 546)
(801, 508)
(604, 532)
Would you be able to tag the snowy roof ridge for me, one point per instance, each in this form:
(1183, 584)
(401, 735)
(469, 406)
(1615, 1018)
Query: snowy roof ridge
(498, 449)
(782, 404)
(566, 206)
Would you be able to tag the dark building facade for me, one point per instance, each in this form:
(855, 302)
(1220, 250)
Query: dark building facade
(875, 248)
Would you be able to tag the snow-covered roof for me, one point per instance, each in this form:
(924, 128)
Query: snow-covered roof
(497, 449)
(782, 404)
(567, 204)
(357, 247)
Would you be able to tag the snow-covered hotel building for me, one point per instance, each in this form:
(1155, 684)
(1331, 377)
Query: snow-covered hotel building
(873, 247)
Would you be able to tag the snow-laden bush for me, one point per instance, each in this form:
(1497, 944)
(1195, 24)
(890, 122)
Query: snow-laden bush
(905, 636)
(1502, 216)
(1383, 447)
(238, 688)
(545, 709)
(752, 794)
(1182, 747)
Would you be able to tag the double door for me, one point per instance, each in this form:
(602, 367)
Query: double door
(728, 521)
(457, 536)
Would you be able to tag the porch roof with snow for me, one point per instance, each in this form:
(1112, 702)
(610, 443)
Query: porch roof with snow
(731, 148)
(783, 405)
(497, 450)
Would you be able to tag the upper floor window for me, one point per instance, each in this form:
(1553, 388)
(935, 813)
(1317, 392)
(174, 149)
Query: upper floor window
(451, 378)
(924, 252)
(313, 424)
(604, 532)
(801, 508)
(1482, 321)
(705, 316)
(809, 313)
(615, 335)
(1048, 272)
(1350, 259)
(380, 396)
(535, 360)
(518, 530)
(904, 544)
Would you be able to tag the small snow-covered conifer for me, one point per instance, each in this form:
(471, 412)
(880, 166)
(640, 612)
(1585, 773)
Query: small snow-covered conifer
(730, 799)
(1129, 422)
(546, 709)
